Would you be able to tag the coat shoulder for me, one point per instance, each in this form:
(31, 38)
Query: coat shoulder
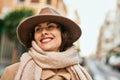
(10, 72)
(13, 66)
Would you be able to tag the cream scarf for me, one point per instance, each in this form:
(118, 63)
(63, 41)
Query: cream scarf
(32, 63)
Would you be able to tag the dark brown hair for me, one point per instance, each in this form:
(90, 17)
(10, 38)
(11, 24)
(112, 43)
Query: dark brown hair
(66, 42)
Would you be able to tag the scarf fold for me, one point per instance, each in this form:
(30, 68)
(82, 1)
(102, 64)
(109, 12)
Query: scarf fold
(33, 61)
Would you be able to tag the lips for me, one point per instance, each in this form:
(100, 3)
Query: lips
(46, 40)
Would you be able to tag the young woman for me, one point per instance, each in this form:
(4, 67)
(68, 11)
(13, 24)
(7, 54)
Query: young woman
(51, 55)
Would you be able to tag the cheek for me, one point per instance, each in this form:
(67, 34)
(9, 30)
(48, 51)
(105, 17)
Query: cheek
(36, 36)
(59, 38)
(58, 41)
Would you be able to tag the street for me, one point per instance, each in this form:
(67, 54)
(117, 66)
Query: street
(100, 71)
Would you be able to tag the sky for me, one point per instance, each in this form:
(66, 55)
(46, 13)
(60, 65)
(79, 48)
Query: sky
(92, 14)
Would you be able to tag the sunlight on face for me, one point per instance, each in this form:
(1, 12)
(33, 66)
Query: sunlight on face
(48, 36)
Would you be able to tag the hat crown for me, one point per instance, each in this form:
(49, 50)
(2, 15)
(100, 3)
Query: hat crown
(48, 11)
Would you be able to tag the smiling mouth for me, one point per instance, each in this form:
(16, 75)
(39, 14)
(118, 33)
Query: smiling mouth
(46, 40)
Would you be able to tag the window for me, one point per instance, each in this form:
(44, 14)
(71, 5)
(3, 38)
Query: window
(48, 1)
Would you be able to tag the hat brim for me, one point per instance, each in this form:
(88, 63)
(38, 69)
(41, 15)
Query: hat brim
(27, 26)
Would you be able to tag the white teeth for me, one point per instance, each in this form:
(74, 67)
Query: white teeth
(46, 40)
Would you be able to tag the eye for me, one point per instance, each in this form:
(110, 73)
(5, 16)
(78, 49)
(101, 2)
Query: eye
(51, 27)
(37, 28)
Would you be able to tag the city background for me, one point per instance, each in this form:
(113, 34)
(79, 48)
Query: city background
(99, 45)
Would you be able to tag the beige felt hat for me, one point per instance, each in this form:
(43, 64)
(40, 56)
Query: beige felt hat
(46, 14)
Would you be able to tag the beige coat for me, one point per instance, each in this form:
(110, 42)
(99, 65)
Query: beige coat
(10, 72)
(62, 74)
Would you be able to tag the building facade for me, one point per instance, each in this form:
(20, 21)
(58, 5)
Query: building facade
(8, 5)
(109, 33)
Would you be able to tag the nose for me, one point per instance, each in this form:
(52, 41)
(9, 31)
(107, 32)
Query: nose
(44, 32)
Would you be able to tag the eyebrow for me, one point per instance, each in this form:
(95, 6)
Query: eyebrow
(51, 23)
(47, 23)
(38, 25)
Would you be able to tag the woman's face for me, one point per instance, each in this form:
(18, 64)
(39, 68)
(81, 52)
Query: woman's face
(48, 36)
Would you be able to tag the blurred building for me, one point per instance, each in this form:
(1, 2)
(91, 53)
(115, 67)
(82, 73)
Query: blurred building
(8, 5)
(109, 36)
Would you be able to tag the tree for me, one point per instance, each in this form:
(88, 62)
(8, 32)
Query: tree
(1, 27)
(11, 21)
